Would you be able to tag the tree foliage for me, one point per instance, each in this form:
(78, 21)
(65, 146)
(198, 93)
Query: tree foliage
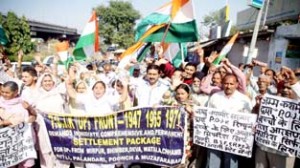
(211, 18)
(116, 23)
(18, 34)
(233, 30)
(214, 18)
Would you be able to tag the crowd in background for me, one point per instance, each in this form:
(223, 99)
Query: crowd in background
(100, 89)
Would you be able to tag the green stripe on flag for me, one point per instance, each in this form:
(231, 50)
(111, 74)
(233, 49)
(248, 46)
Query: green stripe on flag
(178, 32)
(67, 63)
(223, 54)
(3, 38)
(86, 40)
(79, 54)
(152, 19)
(177, 60)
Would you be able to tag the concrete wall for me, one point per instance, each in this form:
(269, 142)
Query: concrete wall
(279, 45)
(278, 10)
(236, 54)
(272, 51)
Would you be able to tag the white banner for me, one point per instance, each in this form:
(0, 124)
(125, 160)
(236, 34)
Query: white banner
(229, 132)
(16, 145)
(279, 125)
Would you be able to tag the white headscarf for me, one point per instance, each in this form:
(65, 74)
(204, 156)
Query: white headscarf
(41, 78)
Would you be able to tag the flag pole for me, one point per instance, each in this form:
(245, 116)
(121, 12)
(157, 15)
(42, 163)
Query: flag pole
(182, 54)
(96, 32)
(165, 33)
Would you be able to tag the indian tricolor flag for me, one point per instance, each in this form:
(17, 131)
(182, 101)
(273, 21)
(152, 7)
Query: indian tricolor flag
(88, 42)
(176, 53)
(226, 49)
(62, 50)
(174, 21)
(177, 17)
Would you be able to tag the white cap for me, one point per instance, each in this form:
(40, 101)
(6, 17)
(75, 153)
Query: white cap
(119, 51)
(136, 66)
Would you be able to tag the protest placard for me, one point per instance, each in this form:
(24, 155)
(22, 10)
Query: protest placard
(16, 145)
(230, 132)
(147, 135)
(279, 125)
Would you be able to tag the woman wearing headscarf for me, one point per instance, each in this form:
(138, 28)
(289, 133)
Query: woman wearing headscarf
(14, 111)
(97, 102)
(51, 99)
(77, 107)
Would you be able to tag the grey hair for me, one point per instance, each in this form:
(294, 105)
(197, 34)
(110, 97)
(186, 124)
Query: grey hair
(13, 86)
(263, 76)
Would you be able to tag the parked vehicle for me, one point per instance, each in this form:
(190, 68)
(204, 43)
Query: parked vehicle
(15, 64)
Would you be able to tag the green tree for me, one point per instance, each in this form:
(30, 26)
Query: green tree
(116, 23)
(212, 18)
(215, 18)
(233, 29)
(18, 33)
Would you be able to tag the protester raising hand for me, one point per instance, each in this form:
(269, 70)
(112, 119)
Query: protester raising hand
(32, 113)
(226, 62)
(160, 50)
(20, 59)
(200, 53)
(161, 61)
(289, 75)
(257, 104)
(226, 65)
(213, 55)
(188, 108)
(38, 58)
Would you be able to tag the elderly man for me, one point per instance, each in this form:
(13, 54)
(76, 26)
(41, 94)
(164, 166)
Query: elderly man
(230, 99)
(266, 157)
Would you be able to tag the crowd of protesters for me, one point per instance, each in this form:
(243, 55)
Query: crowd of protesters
(100, 90)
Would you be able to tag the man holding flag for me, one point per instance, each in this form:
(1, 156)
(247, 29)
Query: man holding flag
(173, 23)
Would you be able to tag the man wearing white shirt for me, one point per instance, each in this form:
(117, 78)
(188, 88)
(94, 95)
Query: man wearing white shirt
(150, 90)
(28, 90)
(27, 86)
(230, 100)
(266, 157)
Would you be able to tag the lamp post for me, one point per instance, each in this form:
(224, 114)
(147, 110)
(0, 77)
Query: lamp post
(255, 33)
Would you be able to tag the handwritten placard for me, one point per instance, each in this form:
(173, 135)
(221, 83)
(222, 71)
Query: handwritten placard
(230, 132)
(16, 145)
(279, 125)
(148, 135)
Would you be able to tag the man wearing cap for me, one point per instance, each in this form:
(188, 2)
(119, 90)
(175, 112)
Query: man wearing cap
(118, 54)
(136, 71)
(107, 75)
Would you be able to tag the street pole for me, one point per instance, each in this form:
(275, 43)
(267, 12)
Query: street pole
(254, 35)
(266, 12)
